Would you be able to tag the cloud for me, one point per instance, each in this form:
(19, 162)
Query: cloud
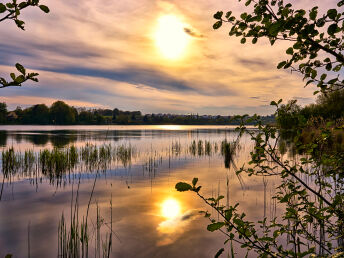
(171, 229)
(93, 53)
(193, 33)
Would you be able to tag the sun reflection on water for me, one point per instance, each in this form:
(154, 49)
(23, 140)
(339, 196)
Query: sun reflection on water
(170, 208)
(171, 127)
(176, 220)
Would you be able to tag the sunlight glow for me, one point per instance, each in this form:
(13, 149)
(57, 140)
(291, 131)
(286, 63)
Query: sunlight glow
(170, 37)
(170, 127)
(170, 208)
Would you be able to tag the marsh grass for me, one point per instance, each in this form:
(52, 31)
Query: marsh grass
(61, 165)
(57, 162)
(203, 148)
(74, 239)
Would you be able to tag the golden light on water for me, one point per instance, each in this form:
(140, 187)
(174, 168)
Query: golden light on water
(170, 37)
(171, 127)
(170, 208)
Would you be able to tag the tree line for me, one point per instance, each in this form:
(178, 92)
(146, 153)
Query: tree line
(329, 107)
(60, 113)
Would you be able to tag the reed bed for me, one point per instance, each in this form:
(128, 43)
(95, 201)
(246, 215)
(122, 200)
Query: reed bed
(61, 164)
(56, 163)
(74, 239)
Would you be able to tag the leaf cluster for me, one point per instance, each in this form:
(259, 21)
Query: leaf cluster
(17, 80)
(316, 40)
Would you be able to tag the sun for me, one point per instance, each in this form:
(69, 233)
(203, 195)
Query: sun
(170, 37)
(170, 208)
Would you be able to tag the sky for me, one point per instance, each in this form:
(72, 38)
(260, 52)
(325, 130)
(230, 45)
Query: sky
(112, 54)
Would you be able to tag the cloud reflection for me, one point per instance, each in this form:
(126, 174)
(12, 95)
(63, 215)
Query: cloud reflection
(172, 228)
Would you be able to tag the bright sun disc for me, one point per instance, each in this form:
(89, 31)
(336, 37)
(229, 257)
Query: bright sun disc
(170, 208)
(170, 37)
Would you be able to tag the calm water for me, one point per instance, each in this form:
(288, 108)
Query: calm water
(149, 218)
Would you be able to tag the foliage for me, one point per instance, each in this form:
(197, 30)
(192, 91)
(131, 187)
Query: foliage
(312, 192)
(12, 11)
(61, 113)
(288, 116)
(315, 39)
(3, 113)
(328, 108)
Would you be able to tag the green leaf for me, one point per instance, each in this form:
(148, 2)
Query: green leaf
(274, 29)
(22, 5)
(290, 51)
(243, 16)
(254, 40)
(332, 13)
(19, 79)
(273, 103)
(20, 68)
(183, 187)
(321, 22)
(217, 25)
(313, 14)
(332, 29)
(13, 76)
(323, 76)
(314, 74)
(194, 181)
(215, 226)
(2, 8)
(281, 64)
(243, 41)
(248, 2)
(20, 24)
(219, 252)
(44, 8)
(218, 15)
(228, 14)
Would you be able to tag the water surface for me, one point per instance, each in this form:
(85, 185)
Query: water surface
(149, 218)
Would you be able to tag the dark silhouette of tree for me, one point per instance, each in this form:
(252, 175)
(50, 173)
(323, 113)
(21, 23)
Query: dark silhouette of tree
(61, 114)
(3, 113)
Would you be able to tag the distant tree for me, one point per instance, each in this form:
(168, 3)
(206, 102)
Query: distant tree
(11, 11)
(288, 115)
(332, 104)
(61, 114)
(19, 112)
(40, 114)
(86, 117)
(3, 113)
(115, 113)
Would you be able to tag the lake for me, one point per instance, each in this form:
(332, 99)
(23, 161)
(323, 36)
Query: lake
(127, 193)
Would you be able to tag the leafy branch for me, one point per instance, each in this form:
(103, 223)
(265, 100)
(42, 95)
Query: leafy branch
(312, 35)
(12, 11)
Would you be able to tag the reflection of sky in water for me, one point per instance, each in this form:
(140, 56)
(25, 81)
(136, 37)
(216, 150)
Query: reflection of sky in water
(150, 218)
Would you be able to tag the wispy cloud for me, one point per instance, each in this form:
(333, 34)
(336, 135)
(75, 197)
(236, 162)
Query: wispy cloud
(100, 54)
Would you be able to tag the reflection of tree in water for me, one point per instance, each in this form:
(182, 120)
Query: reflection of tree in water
(3, 138)
(286, 144)
(18, 137)
(62, 140)
(37, 139)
